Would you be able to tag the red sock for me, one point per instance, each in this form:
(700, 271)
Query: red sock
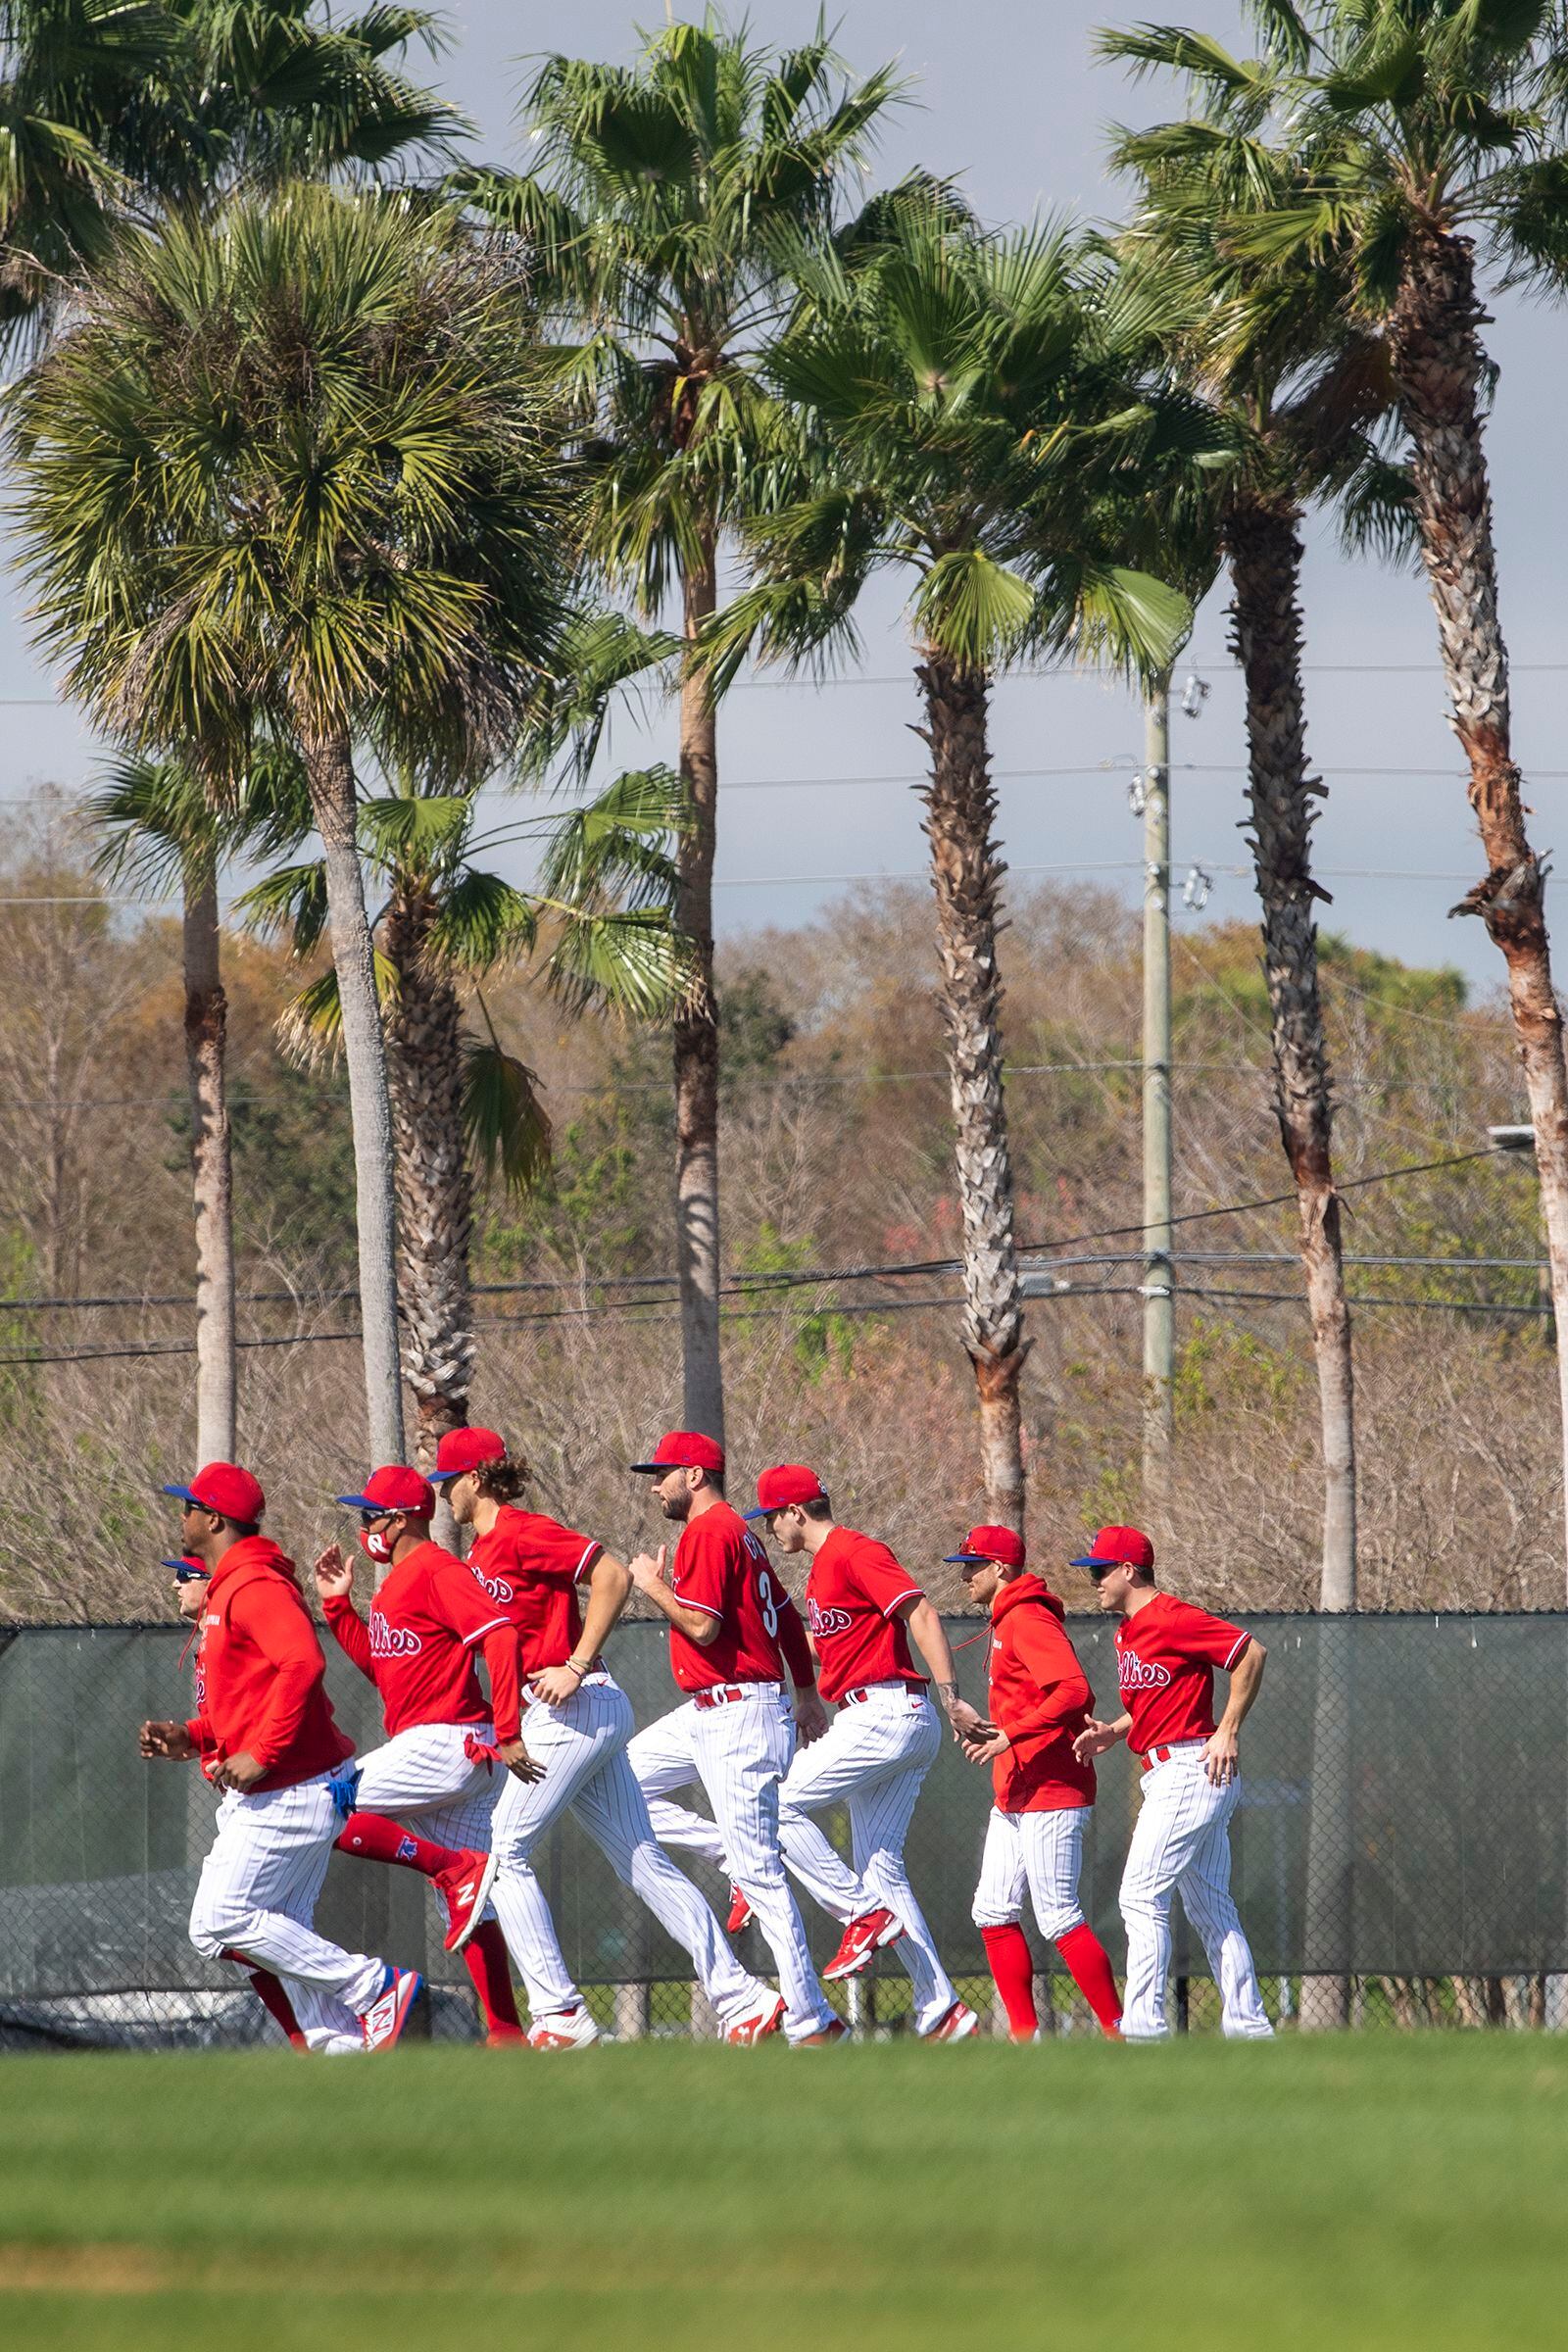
(1088, 1967)
(484, 1956)
(275, 2001)
(370, 1837)
(1013, 1970)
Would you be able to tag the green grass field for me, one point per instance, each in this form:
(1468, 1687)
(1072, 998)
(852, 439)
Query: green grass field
(661, 2198)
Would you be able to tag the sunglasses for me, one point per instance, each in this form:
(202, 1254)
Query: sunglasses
(374, 1518)
(190, 1576)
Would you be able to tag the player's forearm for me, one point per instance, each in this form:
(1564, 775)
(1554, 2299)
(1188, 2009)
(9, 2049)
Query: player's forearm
(350, 1631)
(927, 1633)
(505, 1681)
(1063, 1703)
(608, 1591)
(796, 1650)
(698, 1625)
(1245, 1675)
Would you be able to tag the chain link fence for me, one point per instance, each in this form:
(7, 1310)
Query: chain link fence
(1401, 1850)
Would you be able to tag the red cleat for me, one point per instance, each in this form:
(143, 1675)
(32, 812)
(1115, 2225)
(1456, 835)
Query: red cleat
(864, 1938)
(741, 1914)
(837, 2030)
(758, 2028)
(382, 2023)
(466, 1887)
(953, 2024)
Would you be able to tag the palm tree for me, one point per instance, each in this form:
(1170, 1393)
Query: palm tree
(968, 406)
(659, 219)
(290, 470)
(462, 1108)
(110, 107)
(1412, 129)
(1305, 389)
(157, 825)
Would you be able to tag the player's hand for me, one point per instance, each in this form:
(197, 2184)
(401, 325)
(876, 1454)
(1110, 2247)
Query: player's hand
(647, 1569)
(239, 1772)
(171, 1739)
(554, 1685)
(989, 1742)
(516, 1759)
(967, 1722)
(810, 1717)
(1220, 1758)
(334, 1578)
(1093, 1739)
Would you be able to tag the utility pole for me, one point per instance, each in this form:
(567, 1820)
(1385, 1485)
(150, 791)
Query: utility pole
(1159, 1311)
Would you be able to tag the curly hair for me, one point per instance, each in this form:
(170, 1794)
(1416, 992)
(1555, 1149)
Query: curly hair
(503, 1479)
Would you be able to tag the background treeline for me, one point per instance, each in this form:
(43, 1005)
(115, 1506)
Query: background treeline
(834, 1126)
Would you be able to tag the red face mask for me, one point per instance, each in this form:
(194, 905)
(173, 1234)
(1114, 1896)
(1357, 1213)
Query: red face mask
(376, 1544)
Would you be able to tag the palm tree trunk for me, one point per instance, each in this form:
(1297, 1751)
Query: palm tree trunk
(1438, 365)
(212, 1173)
(697, 1036)
(1265, 556)
(966, 876)
(434, 1184)
(329, 767)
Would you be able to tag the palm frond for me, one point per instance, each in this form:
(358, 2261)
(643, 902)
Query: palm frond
(505, 1122)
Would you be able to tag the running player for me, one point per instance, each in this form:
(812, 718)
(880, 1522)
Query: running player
(1166, 1653)
(862, 1608)
(190, 1599)
(1039, 1702)
(428, 1619)
(731, 1630)
(268, 1740)
(563, 1593)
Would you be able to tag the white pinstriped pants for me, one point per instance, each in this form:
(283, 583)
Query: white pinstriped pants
(258, 1892)
(1180, 1843)
(582, 1747)
(1039, 1854)
(740, 1753)
(876, 1754)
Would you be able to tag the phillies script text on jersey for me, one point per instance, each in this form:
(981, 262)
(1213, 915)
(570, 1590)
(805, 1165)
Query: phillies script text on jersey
(1166, 1653)
(392, 1641)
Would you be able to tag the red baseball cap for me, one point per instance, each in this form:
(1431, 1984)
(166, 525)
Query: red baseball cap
(1117, 1547)
(464, 1450)
(228, 1490)
(984, 1544)
(685, 1449)
(394, 1489)
(784, 1484)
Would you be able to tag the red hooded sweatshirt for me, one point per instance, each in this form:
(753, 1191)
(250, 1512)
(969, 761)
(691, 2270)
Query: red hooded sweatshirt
(259, 1672)
(1040, 1697)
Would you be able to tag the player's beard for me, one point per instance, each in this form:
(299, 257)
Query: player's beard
(676, 1506)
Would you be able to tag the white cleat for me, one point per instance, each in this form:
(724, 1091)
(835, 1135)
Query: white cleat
(383, 2022)
(565, 2030)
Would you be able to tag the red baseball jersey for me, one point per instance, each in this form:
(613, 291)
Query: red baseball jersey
(259, 1672)
(427, 1620)
(1166, 1653)
(531, 1567)
(1040, 1696)
(722, 1568)
(855, 1586)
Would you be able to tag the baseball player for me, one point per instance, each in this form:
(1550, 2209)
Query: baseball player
(862, 1609)
(190, 1599)
(266, 1736)
(1039, 1702)
(562, 1593)
(428, 1619)
(1166, 1653)
(733, 1634)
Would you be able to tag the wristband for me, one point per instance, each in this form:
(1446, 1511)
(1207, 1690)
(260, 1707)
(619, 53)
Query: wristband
(572, 1667)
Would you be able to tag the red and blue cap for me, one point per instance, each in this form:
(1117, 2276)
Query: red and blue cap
(1117, 1547)
(784, 1484)
(684, 1449)
(983, 1544)
(394, 1489)
(225, 1488)
(464, 1450)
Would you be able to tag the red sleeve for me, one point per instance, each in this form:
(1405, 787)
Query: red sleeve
(200, 1730)
(1211, 1640)
(704, 1567)
(506, 1688)
(884, 1580)
(278, 1624)
(350, 1631)
(543, 1547)
(792, 1642)
(459, 1602)
(1048, 1658)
